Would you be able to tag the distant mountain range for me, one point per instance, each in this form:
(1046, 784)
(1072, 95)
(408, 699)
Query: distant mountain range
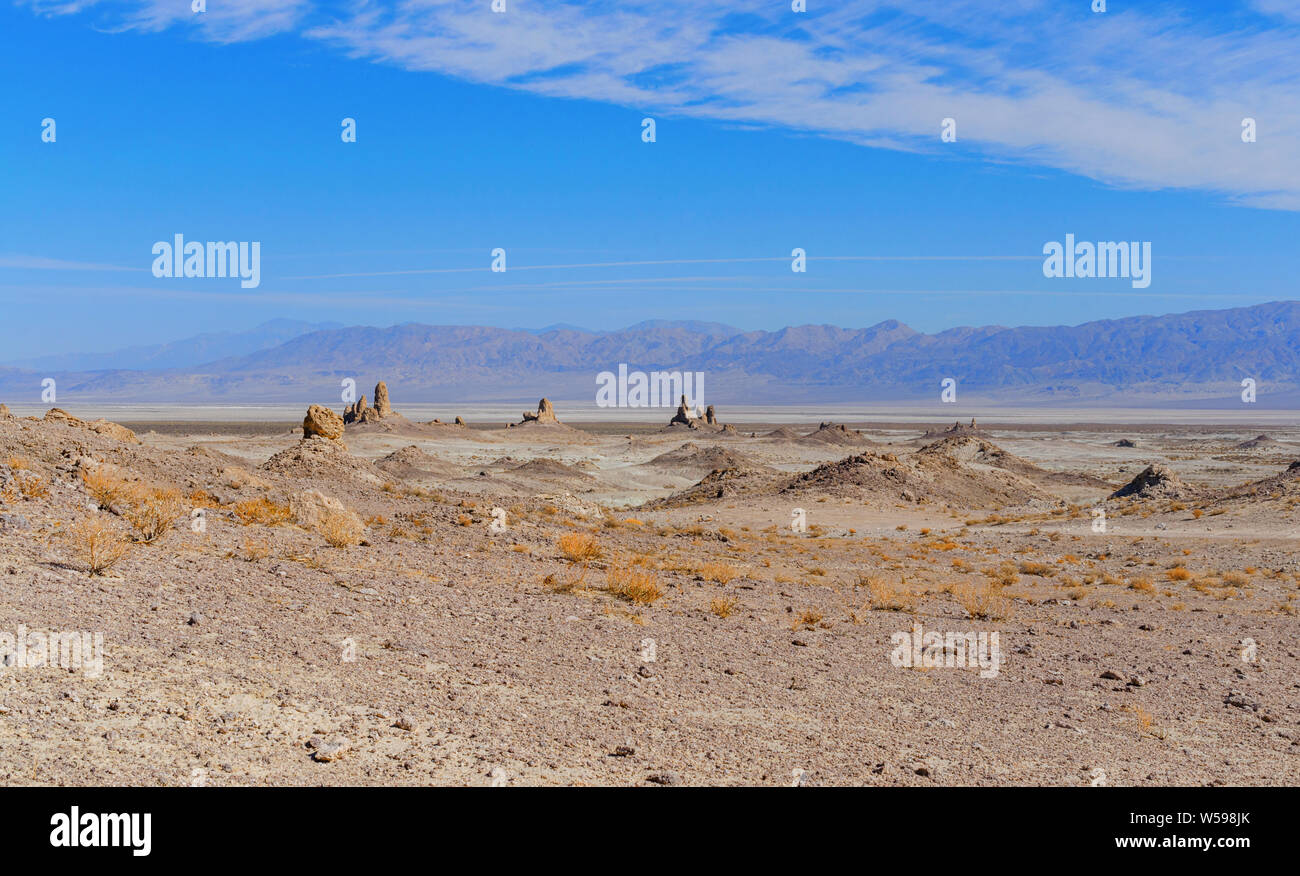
(186, 353)
(1194, 359)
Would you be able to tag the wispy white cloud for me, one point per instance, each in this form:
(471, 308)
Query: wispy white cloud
(1131, 97)
(40, 263)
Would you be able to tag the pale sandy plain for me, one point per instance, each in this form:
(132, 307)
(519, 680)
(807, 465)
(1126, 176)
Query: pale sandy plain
(439, 651)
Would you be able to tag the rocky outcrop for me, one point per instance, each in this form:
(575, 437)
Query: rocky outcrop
(460, 421)
(323, 422)
(382, 407)
(1156, 481)
(684, 416)
(545, 413)
(59, 415)
(113, 430)
(5, 414)
(956, 428)
(101, 426)
(311, 509)
(709, 417)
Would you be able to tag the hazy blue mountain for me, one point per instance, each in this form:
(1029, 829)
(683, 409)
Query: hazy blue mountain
(1196, 359)
(184, 353)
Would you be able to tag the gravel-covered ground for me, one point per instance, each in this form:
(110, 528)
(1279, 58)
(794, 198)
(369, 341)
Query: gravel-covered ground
(455, 645)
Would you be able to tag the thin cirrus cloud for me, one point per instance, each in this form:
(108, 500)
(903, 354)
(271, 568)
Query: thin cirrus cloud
(1148, 98)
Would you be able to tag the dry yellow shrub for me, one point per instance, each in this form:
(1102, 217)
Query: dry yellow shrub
(96, 544)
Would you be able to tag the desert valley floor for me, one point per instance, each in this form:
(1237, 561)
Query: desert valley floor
(431, 603)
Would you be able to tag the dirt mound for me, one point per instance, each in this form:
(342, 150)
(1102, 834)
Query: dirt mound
(692, 456)
(1285, 483)
(784, 433)
(549, 468)
(723, 483)
(1260, 442)
(320, 459)
(412, 463)
(836, 434)
(1156, 481)
(976, 452)
(934, 477)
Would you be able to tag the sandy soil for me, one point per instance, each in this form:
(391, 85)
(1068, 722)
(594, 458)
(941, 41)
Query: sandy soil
(452, 643)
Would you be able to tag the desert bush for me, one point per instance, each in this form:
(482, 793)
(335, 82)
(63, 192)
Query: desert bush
(252, 551)
(96, 544)
(632, 584)
(1042, 570)
(151, 511)
(32, 486)
(808, 619)
(1178, 573)
(579, 546)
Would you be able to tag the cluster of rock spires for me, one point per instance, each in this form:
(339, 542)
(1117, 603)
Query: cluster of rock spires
(360, 412)
(690, 418)
(956, 428)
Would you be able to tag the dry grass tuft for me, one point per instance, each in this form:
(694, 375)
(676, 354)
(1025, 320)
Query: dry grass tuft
(723, 606)
(719, 572)
(633, 584)
(983, 602)
(885, 596)
(262, 511)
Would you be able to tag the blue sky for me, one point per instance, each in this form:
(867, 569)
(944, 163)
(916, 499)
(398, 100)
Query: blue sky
(522, 130)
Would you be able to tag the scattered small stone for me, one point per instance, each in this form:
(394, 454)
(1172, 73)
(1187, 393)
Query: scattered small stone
(330, 751)
(623, 751)
(1112, 675)
(665, 779)
(196, 618)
